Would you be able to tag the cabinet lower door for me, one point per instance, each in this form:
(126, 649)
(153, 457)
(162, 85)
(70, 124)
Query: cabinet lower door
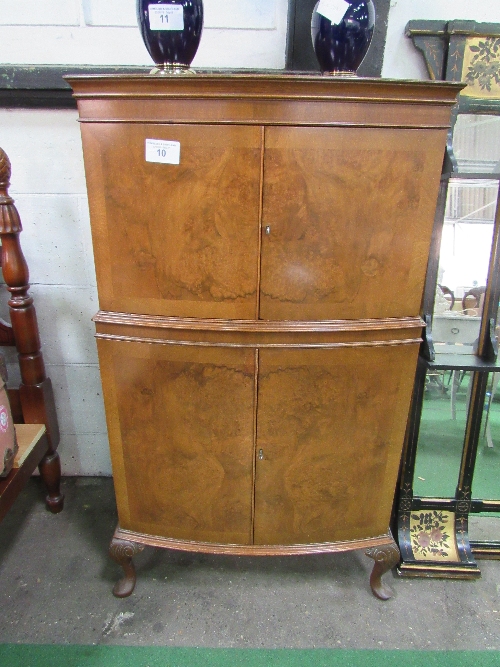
(181, 429)
(330, 431)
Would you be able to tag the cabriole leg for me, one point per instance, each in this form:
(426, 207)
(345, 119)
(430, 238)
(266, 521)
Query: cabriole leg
(385, 557)
(122, 552)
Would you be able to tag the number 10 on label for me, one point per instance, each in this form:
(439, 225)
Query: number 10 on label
(165, 152)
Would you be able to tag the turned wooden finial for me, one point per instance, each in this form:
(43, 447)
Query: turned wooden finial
(35, 395)
(5, 171)
(9, 217)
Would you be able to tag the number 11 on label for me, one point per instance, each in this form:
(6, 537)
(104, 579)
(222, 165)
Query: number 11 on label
(166, 17)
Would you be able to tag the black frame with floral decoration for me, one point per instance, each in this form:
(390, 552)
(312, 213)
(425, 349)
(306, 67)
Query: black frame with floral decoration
(470, 52)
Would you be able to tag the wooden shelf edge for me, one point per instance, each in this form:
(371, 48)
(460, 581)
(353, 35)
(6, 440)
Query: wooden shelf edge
(33, 444)
(27, 437)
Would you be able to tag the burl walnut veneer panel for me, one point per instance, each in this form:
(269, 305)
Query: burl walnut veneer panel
(181, 423)
(336, 248)
(179, 240)
(330, 427)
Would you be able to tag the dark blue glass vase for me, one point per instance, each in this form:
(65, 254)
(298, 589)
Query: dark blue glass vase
(171, 30)
(340, 47)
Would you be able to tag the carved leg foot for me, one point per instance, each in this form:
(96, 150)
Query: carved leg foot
(122, 552)
(50, 471)
(385, 557)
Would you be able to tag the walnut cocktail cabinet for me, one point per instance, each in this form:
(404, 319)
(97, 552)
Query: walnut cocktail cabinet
(261, 245)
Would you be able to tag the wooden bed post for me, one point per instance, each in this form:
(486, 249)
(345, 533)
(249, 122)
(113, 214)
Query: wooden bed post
(35, 392)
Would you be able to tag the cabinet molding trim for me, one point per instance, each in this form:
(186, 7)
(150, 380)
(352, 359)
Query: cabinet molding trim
(252, 549)
(277, 100)
(162, 341)
(264, 326)
(267, 122)
(273, 87)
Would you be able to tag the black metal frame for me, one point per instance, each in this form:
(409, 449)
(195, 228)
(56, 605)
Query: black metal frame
(32, 86)
(443, 47)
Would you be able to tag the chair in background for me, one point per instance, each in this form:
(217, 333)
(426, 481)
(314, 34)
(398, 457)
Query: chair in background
(32, 403)
(474, 298)
(448, 295)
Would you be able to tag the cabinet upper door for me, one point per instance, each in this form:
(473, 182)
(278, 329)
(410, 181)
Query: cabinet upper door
(347, 218)
(175, 239)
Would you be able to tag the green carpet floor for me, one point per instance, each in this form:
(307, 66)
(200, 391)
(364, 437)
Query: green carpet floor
(28, 655)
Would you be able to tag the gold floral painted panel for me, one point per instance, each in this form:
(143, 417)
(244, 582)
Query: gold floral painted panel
(481, 67)
(432, 535)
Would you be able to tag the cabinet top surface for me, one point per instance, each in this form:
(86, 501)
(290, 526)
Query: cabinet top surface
(277, 85)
